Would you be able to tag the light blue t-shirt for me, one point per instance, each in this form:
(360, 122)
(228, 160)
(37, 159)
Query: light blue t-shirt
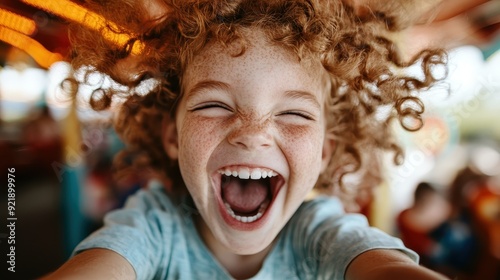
(159, 239)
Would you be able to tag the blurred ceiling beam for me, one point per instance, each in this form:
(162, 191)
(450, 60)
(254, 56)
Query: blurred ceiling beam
(36, 50)
(39, 29)
(76, 13)
(17, 22)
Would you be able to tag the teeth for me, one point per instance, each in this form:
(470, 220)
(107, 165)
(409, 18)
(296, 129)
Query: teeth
(245, 219)
(246, 173)
(228, 208)
(255, 174)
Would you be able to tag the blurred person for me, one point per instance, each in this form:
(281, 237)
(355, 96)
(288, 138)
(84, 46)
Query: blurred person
(460, 235)
(484, 201)
(417, 223)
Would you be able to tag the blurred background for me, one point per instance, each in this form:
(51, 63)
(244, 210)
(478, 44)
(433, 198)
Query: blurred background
(444, 201)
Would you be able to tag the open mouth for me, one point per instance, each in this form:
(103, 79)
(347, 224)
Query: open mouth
(247, 193)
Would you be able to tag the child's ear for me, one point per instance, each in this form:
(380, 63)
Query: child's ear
(169, 137)
(327, 152)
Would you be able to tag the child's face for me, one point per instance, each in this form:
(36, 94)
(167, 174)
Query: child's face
(262, 112)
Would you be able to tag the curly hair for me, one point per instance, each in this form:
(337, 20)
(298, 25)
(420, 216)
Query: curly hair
(363, 64)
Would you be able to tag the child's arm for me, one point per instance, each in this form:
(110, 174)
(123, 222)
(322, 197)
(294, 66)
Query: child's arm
(388, 264)
(95, 264)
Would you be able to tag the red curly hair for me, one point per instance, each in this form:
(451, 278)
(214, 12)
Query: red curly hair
(363, 64)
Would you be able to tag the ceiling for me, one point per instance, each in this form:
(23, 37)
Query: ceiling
(51, 30)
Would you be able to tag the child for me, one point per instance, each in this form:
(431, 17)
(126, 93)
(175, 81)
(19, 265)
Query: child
(255, 103)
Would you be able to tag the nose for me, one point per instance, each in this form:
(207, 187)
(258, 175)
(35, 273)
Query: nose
(251, 135)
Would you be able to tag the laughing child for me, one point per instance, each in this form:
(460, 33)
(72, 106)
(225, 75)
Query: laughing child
(253, 104)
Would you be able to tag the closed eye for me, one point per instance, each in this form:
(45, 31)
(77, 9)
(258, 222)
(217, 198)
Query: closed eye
(301, 114)
(211, 105)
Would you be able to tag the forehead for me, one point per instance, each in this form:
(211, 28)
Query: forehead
(253, 53)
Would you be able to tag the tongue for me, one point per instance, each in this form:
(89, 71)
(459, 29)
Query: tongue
(244, 196)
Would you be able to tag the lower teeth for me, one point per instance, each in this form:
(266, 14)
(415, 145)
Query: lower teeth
(247, 219)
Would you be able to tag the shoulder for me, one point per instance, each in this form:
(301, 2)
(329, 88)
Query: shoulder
(330, 239)
(154, 196)
(145, 231)
(322, 213)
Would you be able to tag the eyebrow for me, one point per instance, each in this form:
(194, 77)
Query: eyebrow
(305, 96)
(207, 84)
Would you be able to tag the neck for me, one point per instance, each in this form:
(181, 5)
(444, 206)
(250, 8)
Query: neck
(239, 266)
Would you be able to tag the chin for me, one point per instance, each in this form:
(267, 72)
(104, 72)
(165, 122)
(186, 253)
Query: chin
(253, 238)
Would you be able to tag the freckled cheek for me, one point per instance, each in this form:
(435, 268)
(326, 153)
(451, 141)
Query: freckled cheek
(303, 149)
(197, 140)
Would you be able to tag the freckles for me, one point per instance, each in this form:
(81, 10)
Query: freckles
(200, 136)
(304, 145)
(298, 131)
(193, 140)
(300, 135)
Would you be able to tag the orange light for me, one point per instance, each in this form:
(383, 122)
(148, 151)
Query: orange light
(17, 22)
(41, 55)
(74, 12)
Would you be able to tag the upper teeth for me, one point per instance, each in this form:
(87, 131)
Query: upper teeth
(248, 173)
